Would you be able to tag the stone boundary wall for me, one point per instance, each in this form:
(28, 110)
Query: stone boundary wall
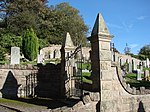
(14, 76)
(133, 90)
(121, 98)
(20, 67)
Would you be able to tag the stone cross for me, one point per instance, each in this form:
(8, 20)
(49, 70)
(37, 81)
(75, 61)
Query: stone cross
(15, 55)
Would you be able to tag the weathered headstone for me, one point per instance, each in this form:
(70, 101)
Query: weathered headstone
(15, 55)
(146, 73)
(147, 63)
(138, 74)
(130, 67)
(40, 58)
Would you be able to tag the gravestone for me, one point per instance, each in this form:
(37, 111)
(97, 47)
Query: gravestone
(147, 63)
(15, 55)
(40, 58)
(138, 74)
(130, 67)
(146, 73)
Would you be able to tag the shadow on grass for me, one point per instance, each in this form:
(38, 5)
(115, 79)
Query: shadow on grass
(49, 103)
(138, 84)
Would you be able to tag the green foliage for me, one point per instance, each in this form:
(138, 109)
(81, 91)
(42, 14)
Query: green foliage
(30, 44)
(10, 40)
(84, 66)
(2, 54)
(67, 19)
(86, 77)
(146, 69)
(131, 79)
(7, 41)
(144, 52)
(43, 43)
(49, 23)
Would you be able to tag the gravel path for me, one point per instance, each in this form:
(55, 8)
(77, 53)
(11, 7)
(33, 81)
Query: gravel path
(6, 109)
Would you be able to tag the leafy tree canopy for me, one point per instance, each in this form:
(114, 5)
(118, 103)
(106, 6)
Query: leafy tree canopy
(144, 52)
(50, 23)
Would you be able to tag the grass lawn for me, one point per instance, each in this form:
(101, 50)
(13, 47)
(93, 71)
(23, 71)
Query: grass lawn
(84, 66)
(86, 77)
(14, 103)
(32, 103)
(131, 79)
(146, 69)
(4, 62)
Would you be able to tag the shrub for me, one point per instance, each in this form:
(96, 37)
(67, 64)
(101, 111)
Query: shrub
(30, 44)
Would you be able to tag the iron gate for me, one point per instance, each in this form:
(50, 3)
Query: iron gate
(73, 82)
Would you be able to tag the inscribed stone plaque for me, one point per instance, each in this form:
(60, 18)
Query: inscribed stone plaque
(15, 55)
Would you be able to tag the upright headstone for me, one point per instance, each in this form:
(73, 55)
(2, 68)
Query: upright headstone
(146, 74)
(15, 55)
(138, 74)
(147, 63)
(144, 63)
(40, 58)
(130, 67)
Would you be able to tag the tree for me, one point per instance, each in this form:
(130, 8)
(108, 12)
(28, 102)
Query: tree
(7, 41)
(49, 23)
(144, 52)
(22, 14)
(61, 19)
(127, 50)
(30, 44)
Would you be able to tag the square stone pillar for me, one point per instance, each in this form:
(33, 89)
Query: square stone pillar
(101, 58)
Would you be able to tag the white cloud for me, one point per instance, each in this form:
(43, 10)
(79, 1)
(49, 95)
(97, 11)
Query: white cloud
(141, 17)
(126, 26)
(133, 46)
(114, 25)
